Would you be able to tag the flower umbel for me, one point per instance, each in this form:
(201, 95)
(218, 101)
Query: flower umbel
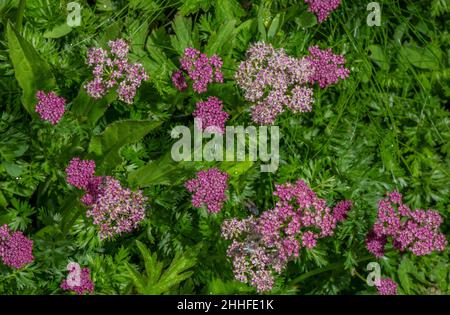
(263, 246)
(416, 231)
(208, 189)
(322, 8)
(211, 114)
(200, 68)
(274, 81)
(50, 106)
(112, 69)
(16, 250)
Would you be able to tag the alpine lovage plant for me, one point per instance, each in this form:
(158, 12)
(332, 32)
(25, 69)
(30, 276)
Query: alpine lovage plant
(200, 69)
(263, 246)
(275, 81)
(346, 145)
(114, 209)
(112, 69)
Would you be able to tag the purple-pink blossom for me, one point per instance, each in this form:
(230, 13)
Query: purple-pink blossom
(112, 69)
(263, 246)
(341, 209)
(50, 106)
(116, 210)
(274, 82)
(386, 286)
(211, 114)
(16, 250)
(179, 80)
(80, 172)
(208, 189)
(322, 8)
(327, 67)
(416, 231)
(200, 68)
(85, 284)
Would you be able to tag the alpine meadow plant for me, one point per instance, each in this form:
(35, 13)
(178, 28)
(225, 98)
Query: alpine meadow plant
(262, 246)
(16, 250)
(350, 195)
(111, 69)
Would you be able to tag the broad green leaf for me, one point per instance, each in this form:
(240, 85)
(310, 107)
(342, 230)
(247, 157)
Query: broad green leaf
(221, 40)
(378, 56)
(105, 146)
(236, 169)
(274, 27)
(183, 34)
(58, 31)
(31, 71)
(164, 171)
(89, 110)
(307, 19)
(427, 58)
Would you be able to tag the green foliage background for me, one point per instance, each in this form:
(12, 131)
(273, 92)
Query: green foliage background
(385, 127)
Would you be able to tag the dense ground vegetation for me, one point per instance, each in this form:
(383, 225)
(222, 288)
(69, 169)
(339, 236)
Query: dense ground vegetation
(384, 127)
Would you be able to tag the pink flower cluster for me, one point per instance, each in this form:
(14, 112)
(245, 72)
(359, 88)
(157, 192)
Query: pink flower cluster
(322, 8)
(211, 114)
(386, 286)
(16, 250)
(85, 286)
(328, 67)
(208, 189)
(200, 68)
(273, 80)
(266, 244)
(113, 70)
(114, 209)
(413, 230)
(117, 210)
(80, 172)
(50, 106)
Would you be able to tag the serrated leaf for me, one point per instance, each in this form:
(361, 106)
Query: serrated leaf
(31, 71)
(404, 270)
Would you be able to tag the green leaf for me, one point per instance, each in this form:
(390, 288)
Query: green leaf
(12, 169)
(154, 281)
(221, 40)
(89, 110)
(427, 58)
(193, 6)
(274, 27)
(378, 56)
(58, 31)
(307, 19)
(31, 71)
(164, 171)
(105, 147)
(183, 34)
(404, 270)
